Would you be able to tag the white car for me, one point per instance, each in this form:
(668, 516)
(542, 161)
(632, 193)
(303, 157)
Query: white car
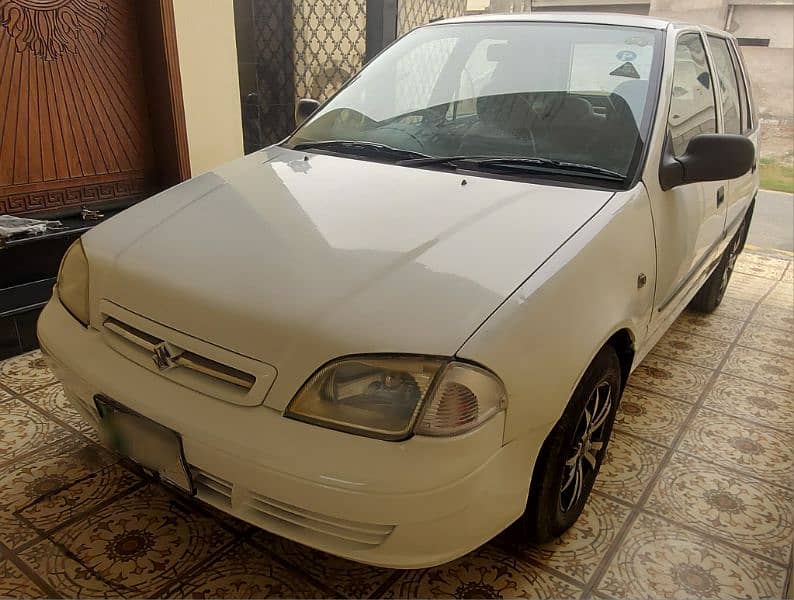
(408, 325)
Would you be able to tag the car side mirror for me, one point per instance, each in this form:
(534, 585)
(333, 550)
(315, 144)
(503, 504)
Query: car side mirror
(708, 157)
(304, 109)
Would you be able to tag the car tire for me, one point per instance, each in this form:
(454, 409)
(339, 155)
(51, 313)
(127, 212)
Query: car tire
(710, 295)
(571, 456)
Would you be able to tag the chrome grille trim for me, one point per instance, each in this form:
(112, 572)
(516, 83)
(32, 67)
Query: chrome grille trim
(182, 358)
(185, 360)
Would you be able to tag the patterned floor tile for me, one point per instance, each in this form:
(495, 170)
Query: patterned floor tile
(710, 326)
(678, 380)
(768, 339)
(629, 464)
(772, 316)
(580, 549)
(748, 287)
(659, 560)
(29, 479)
(79, 498)
(693, 349)
(781, 296)
(754, 515)
(64, 574)
(144, 541)
(52, 399)
(245, 571)
(13, 584)
(758, 451)
(651, 416)
(23, 429)
(761, 265)
(26, 372)
(347, 578)
(761, 404)
(485, 573)
(762, 367)
(734, 308)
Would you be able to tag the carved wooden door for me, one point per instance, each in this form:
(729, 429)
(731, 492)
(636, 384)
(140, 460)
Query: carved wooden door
(74, 129)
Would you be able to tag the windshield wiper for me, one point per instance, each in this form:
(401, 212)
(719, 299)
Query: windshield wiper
(362, 148)
(517, 162)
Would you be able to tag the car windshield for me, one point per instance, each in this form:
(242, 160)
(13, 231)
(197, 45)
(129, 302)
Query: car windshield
(565, 93)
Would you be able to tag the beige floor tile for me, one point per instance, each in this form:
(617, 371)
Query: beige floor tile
(52, 399)
(765, 368)
(781, 296)
(347, 578)
(580, 549)
(26, 372)
(23, 429)
(752, 401)
(693, 349)
(29, 479)
(773, 316)
(488, 572)
(245, 571)
(651, 416)
(718, 328)
(761, 265)
(660, 560)
(768, 339)
(788, 276)
(14, 584)
(145, 541)
(754, 515)
(64, 574)
(629, 464)
(669, 377)
(730, 442)
(734, 308)
(748, 287)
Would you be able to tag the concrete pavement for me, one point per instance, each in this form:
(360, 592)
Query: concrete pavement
(773, 221)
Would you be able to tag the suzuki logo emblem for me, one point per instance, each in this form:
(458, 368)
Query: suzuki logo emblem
(163, 357)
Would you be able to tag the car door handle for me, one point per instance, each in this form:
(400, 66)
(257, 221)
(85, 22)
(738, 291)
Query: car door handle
(720, 196)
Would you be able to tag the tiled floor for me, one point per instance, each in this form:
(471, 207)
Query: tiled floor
(696, 499)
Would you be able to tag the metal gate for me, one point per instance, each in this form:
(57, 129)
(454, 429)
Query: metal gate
(310, 48)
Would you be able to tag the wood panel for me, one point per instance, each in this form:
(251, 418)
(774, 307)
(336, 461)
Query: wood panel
(74, 128)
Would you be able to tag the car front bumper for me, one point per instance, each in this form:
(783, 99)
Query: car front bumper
(407, 504)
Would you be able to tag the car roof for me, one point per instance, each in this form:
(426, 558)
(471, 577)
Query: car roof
(619, 19)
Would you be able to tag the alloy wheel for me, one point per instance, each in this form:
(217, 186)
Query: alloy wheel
(588, 442)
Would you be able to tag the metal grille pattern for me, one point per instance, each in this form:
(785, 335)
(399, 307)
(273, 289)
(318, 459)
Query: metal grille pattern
(329, 44)
(412, 13)
(273, 115)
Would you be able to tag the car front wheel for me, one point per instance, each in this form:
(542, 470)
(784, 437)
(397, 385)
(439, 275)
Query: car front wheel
(571, 456)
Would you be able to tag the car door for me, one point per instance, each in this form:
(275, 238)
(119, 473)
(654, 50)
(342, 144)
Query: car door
(736, 119)
(688, 219)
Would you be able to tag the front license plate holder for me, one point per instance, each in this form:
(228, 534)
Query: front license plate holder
(146, 442)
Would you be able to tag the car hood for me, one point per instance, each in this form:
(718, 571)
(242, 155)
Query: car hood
(295, 259)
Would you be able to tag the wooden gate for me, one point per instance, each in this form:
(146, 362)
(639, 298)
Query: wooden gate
(74, 129)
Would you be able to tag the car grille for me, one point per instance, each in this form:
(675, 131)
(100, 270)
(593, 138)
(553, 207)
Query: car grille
(187, 361)
(287, 519)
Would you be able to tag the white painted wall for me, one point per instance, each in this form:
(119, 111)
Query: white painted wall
(210, 87)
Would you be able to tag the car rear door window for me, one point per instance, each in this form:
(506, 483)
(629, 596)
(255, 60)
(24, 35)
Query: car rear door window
(692, 106)
(729, 86)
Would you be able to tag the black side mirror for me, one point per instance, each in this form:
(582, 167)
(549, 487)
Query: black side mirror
(304, 109)
(708, 157)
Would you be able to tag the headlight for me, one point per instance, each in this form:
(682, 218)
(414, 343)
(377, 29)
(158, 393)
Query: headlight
(73, 282)
(389, 397)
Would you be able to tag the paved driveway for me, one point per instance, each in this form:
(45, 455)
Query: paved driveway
(695, 499)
